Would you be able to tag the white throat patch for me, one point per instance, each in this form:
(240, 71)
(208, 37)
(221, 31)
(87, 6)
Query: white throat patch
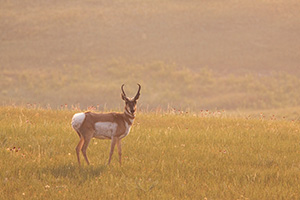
(129, 114)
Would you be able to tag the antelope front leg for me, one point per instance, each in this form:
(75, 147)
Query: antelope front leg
(119, 150)
(112, 147)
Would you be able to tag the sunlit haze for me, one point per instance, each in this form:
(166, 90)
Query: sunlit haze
(185, 54)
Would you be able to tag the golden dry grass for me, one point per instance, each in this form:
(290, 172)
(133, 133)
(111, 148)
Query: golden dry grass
(166, 156)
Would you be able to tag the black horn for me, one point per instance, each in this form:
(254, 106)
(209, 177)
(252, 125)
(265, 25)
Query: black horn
(124, 97)
(123, 90)
(138, 93)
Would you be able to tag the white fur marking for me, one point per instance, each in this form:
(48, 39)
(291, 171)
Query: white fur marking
(77, 120)
(131, 120)
(105, 130)
(129, 113)
(127, 130)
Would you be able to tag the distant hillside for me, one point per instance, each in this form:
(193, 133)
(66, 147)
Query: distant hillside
(186, 54)
(163, 85)
(227, 36)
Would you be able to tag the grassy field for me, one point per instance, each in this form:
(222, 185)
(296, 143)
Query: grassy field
(238, 56)
(166, 156)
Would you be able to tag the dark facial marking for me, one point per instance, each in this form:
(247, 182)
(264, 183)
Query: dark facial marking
(131, 105)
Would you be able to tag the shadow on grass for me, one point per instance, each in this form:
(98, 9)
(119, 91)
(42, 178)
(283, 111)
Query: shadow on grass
(76, 172)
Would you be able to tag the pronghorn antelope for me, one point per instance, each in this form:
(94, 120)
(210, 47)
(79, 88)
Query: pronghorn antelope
(114, 126)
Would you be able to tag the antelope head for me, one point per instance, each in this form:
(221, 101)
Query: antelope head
(130, 103)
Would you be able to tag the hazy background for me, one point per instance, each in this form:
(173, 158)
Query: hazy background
(196, 54)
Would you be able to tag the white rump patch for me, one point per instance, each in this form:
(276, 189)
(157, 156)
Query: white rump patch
(77, 120)
(105, 130)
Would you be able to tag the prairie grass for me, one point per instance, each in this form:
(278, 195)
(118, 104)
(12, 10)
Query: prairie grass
(165, 156)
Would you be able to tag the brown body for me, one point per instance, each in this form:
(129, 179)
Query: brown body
(114, 126)
(121, 119)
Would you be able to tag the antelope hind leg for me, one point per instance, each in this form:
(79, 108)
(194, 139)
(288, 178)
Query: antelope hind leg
(78, 148)
(84, 148)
